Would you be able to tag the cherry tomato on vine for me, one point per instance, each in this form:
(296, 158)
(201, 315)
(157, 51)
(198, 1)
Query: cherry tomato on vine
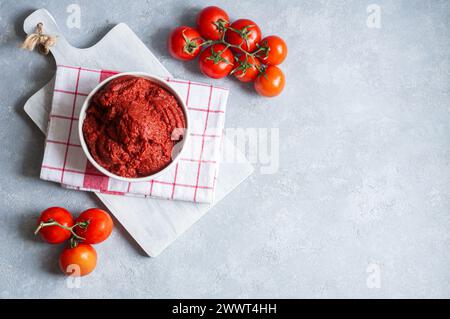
(274, 50)
(247, 68)
(244, 32)
(94, 225)
(78, 261)
(184, 43)
(216, 61)
(55, 234)
(212, 22)
(271, 82)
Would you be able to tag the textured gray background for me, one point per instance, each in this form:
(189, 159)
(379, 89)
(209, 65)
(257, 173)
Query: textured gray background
(364, 162)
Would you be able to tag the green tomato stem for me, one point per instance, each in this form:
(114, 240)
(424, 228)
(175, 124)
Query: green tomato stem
(55, 223)
(228, 45)
(237, 47)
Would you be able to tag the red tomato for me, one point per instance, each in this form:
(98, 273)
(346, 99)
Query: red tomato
(184, 43)
(244, 32)
(96, 226)
(247, 69)
(271, 82)
(78, 261)
(274, 50)
(212, 22)
(216, 61)
(55, 234)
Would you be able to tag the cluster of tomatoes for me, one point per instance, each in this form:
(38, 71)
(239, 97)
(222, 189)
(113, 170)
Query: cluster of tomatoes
(236, 48)
(57, 225)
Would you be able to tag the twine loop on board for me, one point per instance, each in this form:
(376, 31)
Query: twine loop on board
(39, 39)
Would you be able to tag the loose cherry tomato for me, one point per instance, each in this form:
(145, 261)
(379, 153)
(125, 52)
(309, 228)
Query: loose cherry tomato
(184, 43)
(245, 33)
(94, 225)
(48, 228)
(247, 68)
(271, 82)
(274, 50)
(212, 22)
(78, 261)
(216, 61)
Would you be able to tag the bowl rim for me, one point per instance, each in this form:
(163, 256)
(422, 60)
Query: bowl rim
(160, 81)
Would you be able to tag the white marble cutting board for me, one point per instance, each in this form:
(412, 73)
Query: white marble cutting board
(153, 223)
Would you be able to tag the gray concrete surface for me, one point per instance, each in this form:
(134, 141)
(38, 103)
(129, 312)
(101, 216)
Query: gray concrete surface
(362, 192)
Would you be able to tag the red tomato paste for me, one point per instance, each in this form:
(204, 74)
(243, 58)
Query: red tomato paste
(130, 124)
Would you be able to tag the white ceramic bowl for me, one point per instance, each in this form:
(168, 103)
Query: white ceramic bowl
(181, 147)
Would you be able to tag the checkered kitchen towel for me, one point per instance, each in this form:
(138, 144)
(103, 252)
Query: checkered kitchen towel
(192, 179)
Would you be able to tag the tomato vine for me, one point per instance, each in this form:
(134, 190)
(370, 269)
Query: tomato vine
(52, 222)
(237, 48)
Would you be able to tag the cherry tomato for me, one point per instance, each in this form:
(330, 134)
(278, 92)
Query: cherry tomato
(216, 61)
(274, 50)
(212, 22)
(271, 82)
(184, 43)
(96, 226)
(244, 32)
(247, 68)
(78, 261)
(55, 234)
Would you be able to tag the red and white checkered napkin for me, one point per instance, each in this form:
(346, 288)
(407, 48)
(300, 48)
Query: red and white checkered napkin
(192, 179)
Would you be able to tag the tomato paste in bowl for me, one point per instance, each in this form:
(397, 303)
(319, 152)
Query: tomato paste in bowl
(130, 126)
